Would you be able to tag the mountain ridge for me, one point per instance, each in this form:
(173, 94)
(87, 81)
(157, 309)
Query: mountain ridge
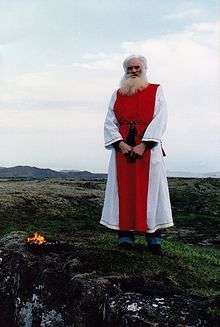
(36, 172)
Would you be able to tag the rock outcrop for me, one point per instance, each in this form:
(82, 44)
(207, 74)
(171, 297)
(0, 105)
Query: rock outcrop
(56, 289)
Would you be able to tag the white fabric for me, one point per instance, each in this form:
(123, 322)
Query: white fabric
(111, 131)
(159, 214)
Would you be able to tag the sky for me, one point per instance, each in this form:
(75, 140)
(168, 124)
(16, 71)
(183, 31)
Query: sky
(60, 62)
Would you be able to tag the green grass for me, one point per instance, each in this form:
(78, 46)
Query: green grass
(68, 212)
(204, 264)
(197, 220)
(191, 268)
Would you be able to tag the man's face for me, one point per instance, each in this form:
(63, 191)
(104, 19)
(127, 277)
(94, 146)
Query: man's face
(134, 68)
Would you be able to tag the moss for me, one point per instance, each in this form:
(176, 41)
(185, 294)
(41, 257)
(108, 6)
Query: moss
(71, 210)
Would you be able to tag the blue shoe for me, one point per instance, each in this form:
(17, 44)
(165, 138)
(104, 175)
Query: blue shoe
(154, 241)
(125, 240)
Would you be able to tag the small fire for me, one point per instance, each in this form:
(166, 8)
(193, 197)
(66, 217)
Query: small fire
(37, 239)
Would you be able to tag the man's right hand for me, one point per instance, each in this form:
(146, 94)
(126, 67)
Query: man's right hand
(125, 148)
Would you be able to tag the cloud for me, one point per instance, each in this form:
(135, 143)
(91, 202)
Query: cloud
(100, 61)
(185, 63)
(190, 13)
(16, 20)
(190, 52)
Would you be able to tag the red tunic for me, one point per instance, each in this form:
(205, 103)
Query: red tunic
(133, 177)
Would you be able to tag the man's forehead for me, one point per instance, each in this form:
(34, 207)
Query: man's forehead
(134, 61)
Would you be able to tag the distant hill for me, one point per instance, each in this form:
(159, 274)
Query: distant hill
(27, 171)
(68, 170)
(215, 174)
(38, 173)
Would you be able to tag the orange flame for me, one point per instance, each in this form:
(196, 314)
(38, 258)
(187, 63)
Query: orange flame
(37, 239)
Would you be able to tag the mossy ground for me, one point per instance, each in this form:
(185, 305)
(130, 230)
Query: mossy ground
(71, 211)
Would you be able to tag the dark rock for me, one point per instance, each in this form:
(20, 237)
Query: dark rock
(53, 290)
(142, 310)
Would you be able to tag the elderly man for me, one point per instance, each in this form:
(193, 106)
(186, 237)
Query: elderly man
(136, 195)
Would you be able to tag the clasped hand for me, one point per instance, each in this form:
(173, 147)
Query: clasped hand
(132, 152)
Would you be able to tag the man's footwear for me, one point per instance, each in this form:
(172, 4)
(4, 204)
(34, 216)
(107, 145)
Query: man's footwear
(156, 249)
(126, 239)
(154, 243)
(125, 242)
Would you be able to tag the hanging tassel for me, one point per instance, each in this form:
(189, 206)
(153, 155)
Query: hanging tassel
(130, 139)
(163, 152)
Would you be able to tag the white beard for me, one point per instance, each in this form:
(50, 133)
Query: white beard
(130, 85)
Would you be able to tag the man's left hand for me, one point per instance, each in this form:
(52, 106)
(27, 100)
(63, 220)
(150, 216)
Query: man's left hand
(138, 151)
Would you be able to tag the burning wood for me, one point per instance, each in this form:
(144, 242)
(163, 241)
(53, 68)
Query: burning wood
(36, 239)
(37, 243)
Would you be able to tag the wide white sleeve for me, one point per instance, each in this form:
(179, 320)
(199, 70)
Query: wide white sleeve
(157, 126)
(111, 125)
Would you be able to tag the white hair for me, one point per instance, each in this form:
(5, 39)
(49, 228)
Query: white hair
(142, 59)
(128, 85)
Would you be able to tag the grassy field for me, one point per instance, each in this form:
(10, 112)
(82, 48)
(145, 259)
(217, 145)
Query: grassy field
(71, 210)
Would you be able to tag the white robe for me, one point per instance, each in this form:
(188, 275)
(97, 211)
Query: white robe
(159, 214)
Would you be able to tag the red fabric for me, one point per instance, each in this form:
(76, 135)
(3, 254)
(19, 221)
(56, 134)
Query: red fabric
(133, 178)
